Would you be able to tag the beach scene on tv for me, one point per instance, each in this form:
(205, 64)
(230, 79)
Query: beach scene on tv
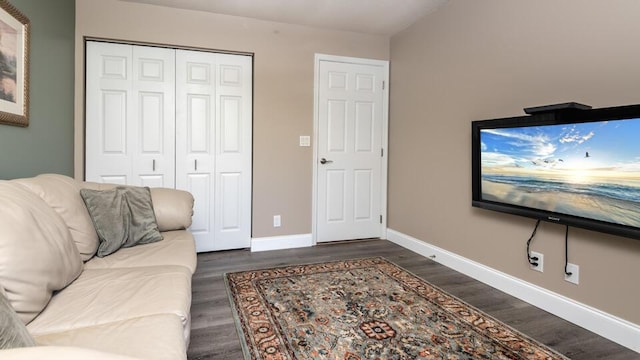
(591, 170)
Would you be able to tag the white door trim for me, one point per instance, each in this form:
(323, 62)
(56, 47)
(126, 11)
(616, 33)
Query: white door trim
(385, 137)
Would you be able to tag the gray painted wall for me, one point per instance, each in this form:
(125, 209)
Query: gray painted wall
(46, 145)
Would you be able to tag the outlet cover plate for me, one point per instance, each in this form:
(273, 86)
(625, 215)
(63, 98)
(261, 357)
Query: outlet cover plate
(575, 273)
(540, 261)
(276, 221)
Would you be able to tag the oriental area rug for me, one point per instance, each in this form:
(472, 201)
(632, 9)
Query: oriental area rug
(364, 309)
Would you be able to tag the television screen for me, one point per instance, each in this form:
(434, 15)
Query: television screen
(579, 168)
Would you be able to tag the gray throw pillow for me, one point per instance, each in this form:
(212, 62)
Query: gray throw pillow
(13, 333)
(122, 216)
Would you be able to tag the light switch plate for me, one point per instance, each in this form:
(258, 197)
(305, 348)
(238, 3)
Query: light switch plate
(305, 140)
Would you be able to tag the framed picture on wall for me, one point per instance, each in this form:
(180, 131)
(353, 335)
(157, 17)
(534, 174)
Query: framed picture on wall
(14, 66)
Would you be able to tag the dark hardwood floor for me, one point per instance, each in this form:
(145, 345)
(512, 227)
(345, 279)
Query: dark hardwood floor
(214, 336)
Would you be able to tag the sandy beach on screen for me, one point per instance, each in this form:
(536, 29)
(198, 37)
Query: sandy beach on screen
(596, 207)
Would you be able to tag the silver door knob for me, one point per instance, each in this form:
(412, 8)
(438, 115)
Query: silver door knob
(325, 161)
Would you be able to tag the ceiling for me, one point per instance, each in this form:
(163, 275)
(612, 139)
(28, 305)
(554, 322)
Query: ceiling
(379, 17)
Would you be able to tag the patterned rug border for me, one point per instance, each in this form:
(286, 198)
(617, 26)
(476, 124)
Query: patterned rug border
(236, 315)
(245, 346)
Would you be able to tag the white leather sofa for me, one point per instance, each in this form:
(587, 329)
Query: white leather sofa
(132, 303)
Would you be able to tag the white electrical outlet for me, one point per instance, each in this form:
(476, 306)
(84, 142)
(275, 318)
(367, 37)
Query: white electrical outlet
(276, 221)
(540, 261)
(575, 273)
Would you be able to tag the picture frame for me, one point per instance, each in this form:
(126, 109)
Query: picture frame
(14, 66)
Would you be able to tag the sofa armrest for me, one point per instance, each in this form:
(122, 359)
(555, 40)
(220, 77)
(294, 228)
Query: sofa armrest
(173, 208)
(58, 352)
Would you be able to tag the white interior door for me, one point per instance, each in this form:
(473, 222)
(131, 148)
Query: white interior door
(213, 145)
(351, 163)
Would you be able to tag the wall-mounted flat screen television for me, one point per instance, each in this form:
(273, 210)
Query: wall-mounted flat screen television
(573, 167)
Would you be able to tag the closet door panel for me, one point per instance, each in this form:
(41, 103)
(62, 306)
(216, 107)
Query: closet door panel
(130, 116)
(214, 139)
(230, 124)
(230, 176)
(114, 122)
(151, 134)
(195, 135)
(153, 131)
(230, 200)
(233, 150)
(112, 179)
(108, 110)
(198, 124)
(200, 185)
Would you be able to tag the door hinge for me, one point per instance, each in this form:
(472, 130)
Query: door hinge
(381, 152)
(383, 84)
(380, 219)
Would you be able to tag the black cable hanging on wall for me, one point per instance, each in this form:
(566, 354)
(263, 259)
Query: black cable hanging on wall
(566, 252)
(533, 260)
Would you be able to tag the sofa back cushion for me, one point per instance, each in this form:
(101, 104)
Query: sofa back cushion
(173, 208)
(37, 253)
(62, 193)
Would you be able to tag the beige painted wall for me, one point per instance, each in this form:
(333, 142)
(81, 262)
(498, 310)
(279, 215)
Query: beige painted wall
(283, 89)
(475, 60)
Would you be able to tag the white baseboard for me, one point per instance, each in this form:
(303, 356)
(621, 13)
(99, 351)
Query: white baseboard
(606, 325)
(281, 242)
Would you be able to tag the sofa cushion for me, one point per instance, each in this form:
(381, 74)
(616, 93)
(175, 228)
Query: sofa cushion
(177, 248)
(59, 352)
(62, 193)
(122, 216)
(102, 296)
(155, 337)
(13, 333)
(37, 253)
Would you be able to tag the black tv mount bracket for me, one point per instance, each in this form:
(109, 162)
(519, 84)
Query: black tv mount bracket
(556, 108)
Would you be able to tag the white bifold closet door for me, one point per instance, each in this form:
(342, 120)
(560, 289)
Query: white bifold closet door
(130, 115)
(163, 117)
(213, 144)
